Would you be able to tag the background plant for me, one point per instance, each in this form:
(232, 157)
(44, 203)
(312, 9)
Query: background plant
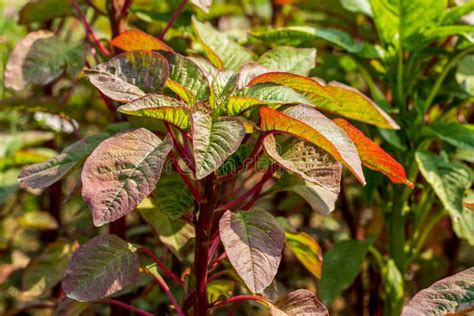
(174, 142)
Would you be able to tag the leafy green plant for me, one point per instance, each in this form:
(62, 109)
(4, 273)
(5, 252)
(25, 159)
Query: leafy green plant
(198, 138)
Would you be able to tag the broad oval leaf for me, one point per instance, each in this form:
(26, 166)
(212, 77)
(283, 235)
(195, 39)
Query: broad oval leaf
(172, 196)
(289, 59)
(44, 174)
(306, 250)
(253, 241)
(449, 181)
(138, 40)
(159, 107)
(214, 140)
(102, 266)
(373, 156)
(41, 11)
(451, 295)
(459, 135)
(309, 124)
(130, 75)
(221, 51)
(121, 172)
(307, 161)
(298, 303)
(341, 265)
(333, 97)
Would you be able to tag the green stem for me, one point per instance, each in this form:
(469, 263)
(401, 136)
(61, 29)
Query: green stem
(429, 227)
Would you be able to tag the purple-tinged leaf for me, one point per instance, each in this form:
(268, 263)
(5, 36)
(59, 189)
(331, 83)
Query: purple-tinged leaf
(44, 174)
(130, 75)
(253, 241)
(121, 172)
(451, 295)
(298, 303)
(104, 265)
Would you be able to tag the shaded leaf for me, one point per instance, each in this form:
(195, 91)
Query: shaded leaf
(373, 156)
(37, 104)
(214, 140)
(46, 270)
(459, 135)
(102, 266)
(44, 174)
(453, 294)
(159, 107)
(449, 180)
(307, 161)
(130, 75)
(299, 302)
(69, 307)
(37, 220)
(220, 289)
(289, 59)
(333, 97)
(307, 123)
(172, 196)
(138, 40)
(306, 250)
(44, 10)
(121, 172)
(253, 241)
(221, 51)
(341, 265)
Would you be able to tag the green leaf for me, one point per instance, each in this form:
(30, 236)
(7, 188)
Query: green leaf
(40, 58)
(223, 52)
(253, 241)
(172, 196)
(102, 266)
(130, 75)
(451, 295)
(214, 140)
(449, 180)
(44, 10)
(69, 307)
(358, 6)
(386, 20)
(37, 104)
(220, 289)
(174, 233)
(202, 4)
(310, 125)
(46, 270)
(452, 15)
(306, 250)
(289, 59)
(341, 265)
(37, 220)
(186, 73)
(307, 161)
(121, 172)
(459, 135)
(392, 282)
(159, 107)
(299, 302)
(44, 174)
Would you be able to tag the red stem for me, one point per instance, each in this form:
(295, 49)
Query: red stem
(168, 293)
(194, 190)
(170, 23)
(89, 29)
(180, 148)
(125, 306)
(239, 298)
(160, 265)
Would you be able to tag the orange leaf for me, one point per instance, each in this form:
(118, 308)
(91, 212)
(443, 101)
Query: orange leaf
(333, 97)
(138, 40)
(312, 126)
(469, 206)
(373, 156)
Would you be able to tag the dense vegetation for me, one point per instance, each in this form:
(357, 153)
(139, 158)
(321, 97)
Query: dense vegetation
(237, 157)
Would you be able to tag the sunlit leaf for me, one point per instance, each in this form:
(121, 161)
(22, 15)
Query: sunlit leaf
(459, 135)
(307, 123)
(223, 52)
(373, 156)
(453, 14)
(46, 270)
(307, 161)
(104, 265)
(358, 6)
(451, 295)
(253, 241)
(333, 97)
(449, 180)
(121, 172)
(202, 4)
(26, 157)
(341, 265)
(130, 75)
(159, 107)
(220, 289)
(42, 175)
(172, 196)
(37, 220)
(306, 250)
(299, 302)
(214, 140)
(289, 59)
(138, 40)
